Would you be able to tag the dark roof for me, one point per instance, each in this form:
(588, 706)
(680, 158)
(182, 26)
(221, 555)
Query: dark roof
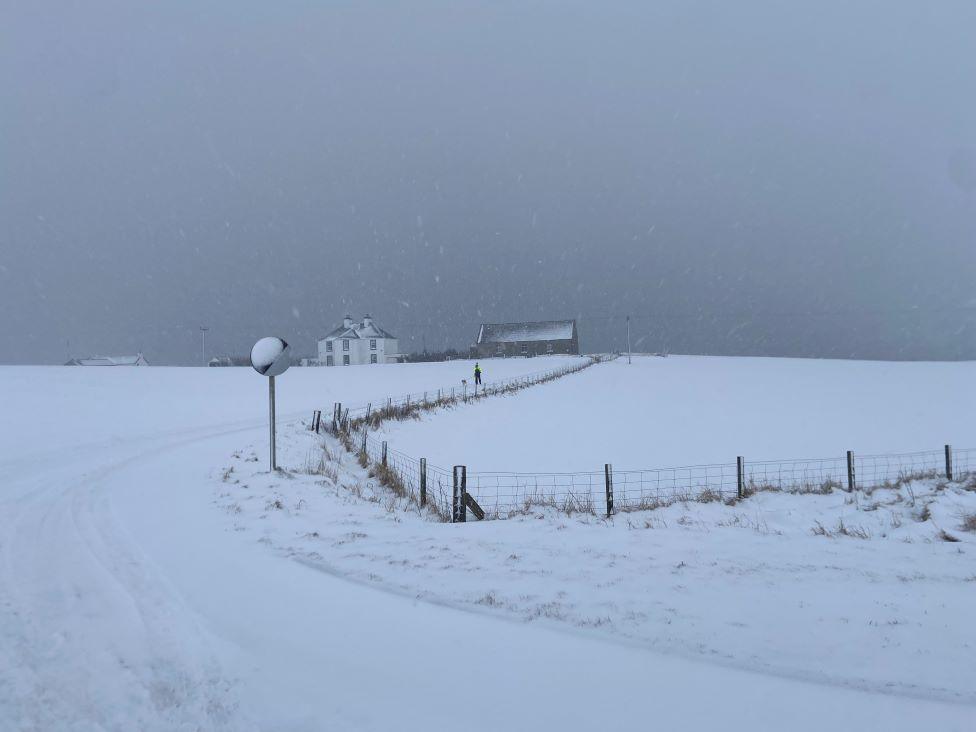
(546, 330)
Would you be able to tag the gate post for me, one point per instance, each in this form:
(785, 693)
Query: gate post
(851, 478)
(608, 477)
(948, 453)
(458, 509)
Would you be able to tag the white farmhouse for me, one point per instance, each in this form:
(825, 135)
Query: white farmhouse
(353, 344)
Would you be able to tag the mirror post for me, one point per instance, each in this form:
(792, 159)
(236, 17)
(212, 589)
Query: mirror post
(271, 357)
(271, 421)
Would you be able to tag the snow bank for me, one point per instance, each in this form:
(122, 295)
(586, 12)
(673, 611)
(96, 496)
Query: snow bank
(867, 591)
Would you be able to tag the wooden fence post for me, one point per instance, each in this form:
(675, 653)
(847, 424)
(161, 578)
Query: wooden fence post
(608, 476)
(740, 475)
(384, 453)
(369, 410)
(851, 478)
(363, 450)
(459, 508)
(316, 419)
(948, 455)
(423, 482)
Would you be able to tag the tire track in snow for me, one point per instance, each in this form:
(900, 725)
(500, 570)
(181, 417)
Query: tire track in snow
(90, 634)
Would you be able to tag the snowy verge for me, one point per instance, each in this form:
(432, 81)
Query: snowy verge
(863, 591)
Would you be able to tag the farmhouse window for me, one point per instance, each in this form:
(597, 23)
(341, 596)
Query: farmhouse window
(329, 361)
(372, 343)
(345, 344)
(372, 358)
(328, 346)
(345, 360)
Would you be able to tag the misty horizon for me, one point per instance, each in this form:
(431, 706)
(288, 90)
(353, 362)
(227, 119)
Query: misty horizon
(747, 180)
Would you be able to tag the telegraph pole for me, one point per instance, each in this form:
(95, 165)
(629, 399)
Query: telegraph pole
(203, 347)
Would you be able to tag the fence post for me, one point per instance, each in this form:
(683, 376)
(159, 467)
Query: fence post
(316, 418)
(608, 476)
(384, 453)
(740, 475)
(369, 409)
(458, 508)
(851, 478)
(363, 450)
(948, 451)
(423, 482)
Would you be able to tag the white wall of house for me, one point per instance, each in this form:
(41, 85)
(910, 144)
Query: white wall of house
(358, 346)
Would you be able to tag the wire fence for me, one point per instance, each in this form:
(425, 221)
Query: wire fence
(448, 494)
(352, 417)
(609, 491)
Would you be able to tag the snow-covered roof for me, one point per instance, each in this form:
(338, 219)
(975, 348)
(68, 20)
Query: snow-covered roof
(366, 329)
(137, 360)
(546, 330)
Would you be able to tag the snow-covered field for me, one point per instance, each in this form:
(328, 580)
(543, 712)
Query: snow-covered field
(693, 410)
(155, 576)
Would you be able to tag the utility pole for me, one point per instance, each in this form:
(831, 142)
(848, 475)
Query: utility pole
(628, 339)
(203, 347)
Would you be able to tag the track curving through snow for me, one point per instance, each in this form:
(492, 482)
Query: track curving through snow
(125, 603)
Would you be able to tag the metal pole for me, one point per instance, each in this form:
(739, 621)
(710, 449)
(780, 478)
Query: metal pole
(271, 413)
(628, 339)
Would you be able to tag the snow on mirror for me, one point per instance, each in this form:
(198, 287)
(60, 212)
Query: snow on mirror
(271, 356)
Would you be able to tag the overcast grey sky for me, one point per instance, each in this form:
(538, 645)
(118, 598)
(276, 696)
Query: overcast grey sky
(742, 177)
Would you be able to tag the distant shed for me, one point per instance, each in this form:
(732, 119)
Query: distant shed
(528, 339)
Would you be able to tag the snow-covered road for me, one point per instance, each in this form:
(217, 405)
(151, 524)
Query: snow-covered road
(126, 603)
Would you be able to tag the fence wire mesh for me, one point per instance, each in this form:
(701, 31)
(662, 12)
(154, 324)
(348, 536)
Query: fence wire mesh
(503, 495)
(389, 406)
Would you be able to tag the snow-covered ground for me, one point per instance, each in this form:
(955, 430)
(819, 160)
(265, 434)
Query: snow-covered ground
(866, 591)
(693, 410)
(155, 576)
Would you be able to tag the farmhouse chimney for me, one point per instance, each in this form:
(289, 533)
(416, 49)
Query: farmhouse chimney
(347, 322)
(367, 320)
